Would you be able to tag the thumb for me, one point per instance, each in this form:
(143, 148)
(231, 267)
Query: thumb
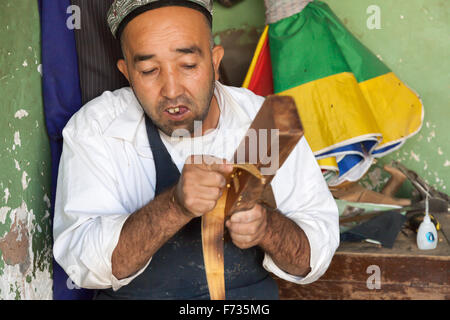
(217, 164)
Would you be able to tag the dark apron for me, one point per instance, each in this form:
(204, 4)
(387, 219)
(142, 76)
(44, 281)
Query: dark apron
(177, 269)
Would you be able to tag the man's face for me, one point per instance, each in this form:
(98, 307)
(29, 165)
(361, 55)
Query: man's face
(171, 67)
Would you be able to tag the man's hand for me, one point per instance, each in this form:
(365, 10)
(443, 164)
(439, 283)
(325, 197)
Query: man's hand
(201, 184)
(276, 234)
(247, 228)
(146, 230)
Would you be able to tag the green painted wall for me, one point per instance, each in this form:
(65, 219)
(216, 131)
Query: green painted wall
(25, 235)
(414, 42)
(244, 14)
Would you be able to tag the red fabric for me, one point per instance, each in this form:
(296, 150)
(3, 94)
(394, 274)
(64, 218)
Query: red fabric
(261, 82)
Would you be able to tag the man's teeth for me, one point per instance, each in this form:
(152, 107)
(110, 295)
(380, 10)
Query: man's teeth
(173, 110)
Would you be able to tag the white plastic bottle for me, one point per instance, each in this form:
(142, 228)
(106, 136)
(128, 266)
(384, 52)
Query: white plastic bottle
(427, 235)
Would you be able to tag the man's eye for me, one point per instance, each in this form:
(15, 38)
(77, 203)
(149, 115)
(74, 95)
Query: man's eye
(149, 71)
(190, 66)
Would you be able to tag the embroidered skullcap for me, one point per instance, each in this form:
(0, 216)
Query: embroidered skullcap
(123, 11)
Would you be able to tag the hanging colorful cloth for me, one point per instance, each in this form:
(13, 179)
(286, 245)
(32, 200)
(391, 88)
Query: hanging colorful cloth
(353, 107)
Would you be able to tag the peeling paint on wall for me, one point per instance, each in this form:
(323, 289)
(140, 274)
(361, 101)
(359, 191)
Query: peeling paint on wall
(18, 256)
(6, 197)
(25, 180)
(25, 229)
(3, 214)
(20, 114)
(14, 245)
(17, 139)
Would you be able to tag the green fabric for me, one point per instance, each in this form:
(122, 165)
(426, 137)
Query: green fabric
(314, 44)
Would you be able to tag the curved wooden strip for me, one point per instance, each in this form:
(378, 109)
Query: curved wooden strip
(246, 186)
(213, 237)
(212, 242)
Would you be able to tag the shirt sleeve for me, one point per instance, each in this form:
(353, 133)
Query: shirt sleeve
(303, 196)
(89, 212)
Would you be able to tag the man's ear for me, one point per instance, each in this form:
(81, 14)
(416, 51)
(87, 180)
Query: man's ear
(217, 55)
(122, 66)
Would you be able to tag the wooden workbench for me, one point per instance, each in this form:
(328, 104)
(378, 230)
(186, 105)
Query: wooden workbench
(405, 271)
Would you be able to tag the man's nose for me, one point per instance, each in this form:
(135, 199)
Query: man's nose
(171, 85)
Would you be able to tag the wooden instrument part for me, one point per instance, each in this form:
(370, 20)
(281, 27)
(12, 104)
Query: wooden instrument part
(278, 115)
(212, 243)
(247, 184)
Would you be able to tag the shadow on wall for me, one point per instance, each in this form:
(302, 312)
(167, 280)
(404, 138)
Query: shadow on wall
(239, 45)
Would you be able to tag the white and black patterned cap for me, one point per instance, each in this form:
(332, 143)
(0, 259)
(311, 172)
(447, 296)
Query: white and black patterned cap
(122, 11)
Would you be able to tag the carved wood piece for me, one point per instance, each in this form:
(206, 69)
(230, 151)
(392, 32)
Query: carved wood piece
(247, 184)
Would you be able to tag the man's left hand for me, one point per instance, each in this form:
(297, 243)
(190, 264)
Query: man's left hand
(247, 228)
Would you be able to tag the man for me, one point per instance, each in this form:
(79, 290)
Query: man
(125, 218)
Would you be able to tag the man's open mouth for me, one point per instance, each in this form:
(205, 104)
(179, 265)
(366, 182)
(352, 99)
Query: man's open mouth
(176, 112)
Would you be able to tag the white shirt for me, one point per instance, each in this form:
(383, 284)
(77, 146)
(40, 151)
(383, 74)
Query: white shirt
(107, 173)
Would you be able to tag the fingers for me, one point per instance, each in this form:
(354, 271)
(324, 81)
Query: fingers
(199, 206)
(197, 198)
(211, 163)
(247, 228)
(201, 184)
(198, 177)
(244, 229)
(249, 216)
(206, 193)
(250, 226)
(246, 236)
(222, 168)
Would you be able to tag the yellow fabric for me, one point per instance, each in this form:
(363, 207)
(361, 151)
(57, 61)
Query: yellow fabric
(333, 110)
(382, 106)
(328, 164)
(397, 109)
(248, 77)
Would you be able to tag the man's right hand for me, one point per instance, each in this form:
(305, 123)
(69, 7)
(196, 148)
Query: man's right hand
(146, 230)
(201, 184)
